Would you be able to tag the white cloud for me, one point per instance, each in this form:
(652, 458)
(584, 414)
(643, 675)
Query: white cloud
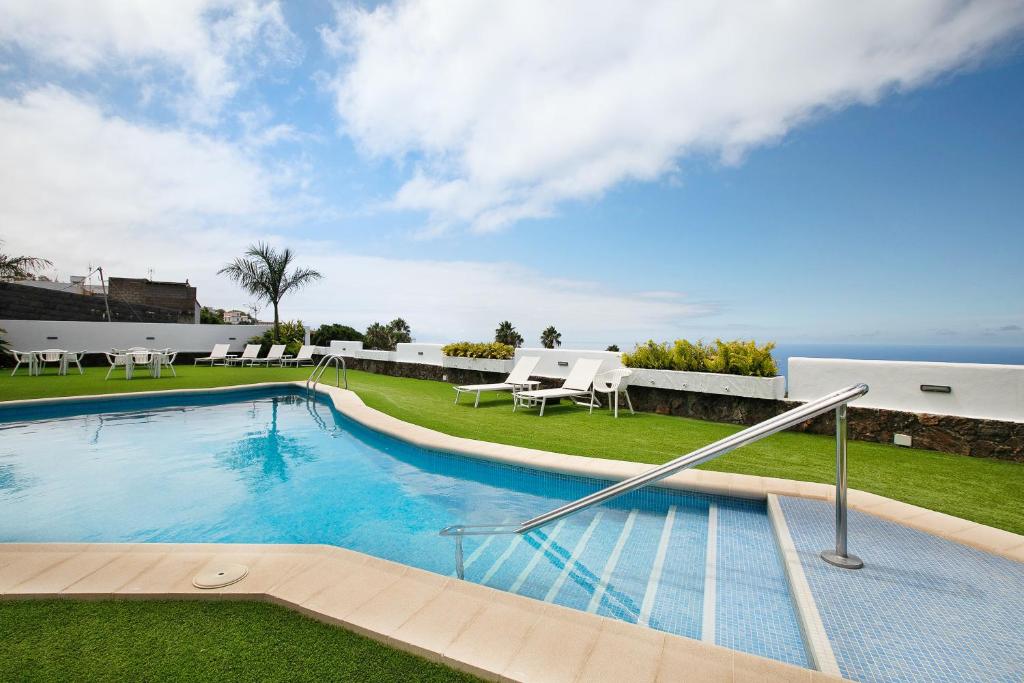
(509, 108)
(82, 187)
(211, 45)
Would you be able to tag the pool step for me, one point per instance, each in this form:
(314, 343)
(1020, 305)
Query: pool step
(707, 571)
(625, 564)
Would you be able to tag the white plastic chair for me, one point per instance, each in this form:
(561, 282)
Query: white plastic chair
(49, 356)
(119, 360)
(613, 383)
(24, 358)
(167, 358)
(73, 357)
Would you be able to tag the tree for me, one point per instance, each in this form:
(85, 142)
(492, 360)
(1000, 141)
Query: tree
(263, 273)
(387, 337)
(323, 335)
(507, 334)
(613, 347)
(550, 338)
(13, 267)
(211, 316)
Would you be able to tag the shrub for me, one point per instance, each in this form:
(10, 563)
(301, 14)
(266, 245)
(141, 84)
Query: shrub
(651, 355)
(292, 334)
(211, 316)
(495, 350)
(729, 358)
(323, 335)
(613, 347)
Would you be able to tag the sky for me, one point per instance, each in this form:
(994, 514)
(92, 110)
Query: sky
(787, 171)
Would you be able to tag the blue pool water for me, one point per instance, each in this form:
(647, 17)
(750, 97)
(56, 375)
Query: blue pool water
(264, 467)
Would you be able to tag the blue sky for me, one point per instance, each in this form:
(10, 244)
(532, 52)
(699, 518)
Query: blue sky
(810, 176)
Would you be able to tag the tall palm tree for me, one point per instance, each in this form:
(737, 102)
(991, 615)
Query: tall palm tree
(507, 334)
(12, 267)
(263, 273)
(550, 338)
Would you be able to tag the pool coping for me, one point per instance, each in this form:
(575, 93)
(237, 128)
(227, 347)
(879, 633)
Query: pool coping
(504, 636)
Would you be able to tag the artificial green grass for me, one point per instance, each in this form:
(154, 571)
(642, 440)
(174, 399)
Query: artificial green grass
(59, 640)
(983, 490)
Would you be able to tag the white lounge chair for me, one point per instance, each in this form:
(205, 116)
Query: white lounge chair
(275, 355)
(303, 357)
(579, 383)
(252, 352)
(519, 378)
(613, 383)
(219, 353)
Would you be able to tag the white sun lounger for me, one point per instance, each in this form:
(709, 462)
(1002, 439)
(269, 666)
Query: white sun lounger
(303, 357)
(275, 355)
(517, 379)
(219, 353)
(251, 353)
(579, 383)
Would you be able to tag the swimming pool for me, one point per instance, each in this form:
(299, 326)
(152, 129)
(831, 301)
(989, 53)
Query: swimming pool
(271, 466)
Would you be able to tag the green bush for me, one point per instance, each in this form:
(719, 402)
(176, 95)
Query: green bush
(292, 334)
(728, 358)
(323, 335)
(495, 350)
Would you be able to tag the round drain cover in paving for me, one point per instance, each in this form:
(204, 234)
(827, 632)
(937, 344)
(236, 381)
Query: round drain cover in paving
(223, 575)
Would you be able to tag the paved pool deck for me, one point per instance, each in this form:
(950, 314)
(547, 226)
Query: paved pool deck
(502, 636)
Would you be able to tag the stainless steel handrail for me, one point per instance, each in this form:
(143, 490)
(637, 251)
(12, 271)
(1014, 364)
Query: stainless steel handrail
(835, 401)
(340, 371)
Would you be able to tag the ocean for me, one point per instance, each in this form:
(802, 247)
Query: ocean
(1006, 355)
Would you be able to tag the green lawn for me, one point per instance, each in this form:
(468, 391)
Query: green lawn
(121, 640)
(986, 491)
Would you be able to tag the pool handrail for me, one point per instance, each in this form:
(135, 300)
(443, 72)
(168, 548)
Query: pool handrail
(837, 401)
(321, 367)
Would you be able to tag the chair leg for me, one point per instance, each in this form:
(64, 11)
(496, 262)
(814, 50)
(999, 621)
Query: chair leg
(172, 370)
(543, 402)
(628, 402)
(476, 403)
(616, 405)
(15, 368)
(457, 392)
(108, 372)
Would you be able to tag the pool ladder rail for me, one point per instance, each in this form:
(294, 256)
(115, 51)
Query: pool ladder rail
(837, 401)
(341, 371)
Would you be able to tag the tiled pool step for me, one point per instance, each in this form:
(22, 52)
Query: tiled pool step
(709, 571)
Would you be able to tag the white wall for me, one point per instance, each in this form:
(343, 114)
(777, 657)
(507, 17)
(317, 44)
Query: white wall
(346, 348)
(556, 363)
(428, 354)
(103, 336)
(994, 392)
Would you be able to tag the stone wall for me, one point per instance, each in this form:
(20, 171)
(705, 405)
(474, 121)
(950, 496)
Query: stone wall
(961, 435)
(23, 302)
(949, 434)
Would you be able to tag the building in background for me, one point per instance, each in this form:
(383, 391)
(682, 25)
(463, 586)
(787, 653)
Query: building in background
(123, 300)
(236, 317)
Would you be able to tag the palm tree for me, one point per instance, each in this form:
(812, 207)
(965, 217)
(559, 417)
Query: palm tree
(550, 338)
(13, 267)
(263, 273)
(506, 334)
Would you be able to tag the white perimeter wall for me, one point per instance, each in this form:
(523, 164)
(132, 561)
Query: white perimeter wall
(29, 335)
(556, 363)
(994, 392)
